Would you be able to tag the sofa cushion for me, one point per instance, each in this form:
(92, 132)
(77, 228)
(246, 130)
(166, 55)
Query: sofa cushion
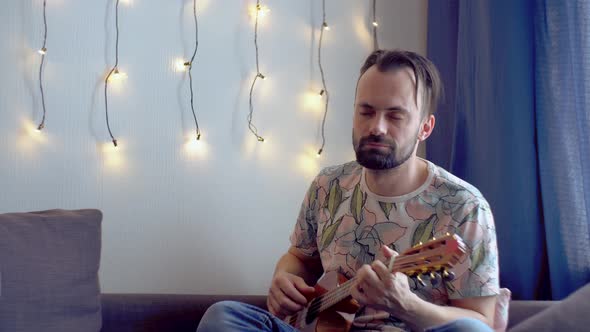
(49, 263)
(162, 312)
(571, 314)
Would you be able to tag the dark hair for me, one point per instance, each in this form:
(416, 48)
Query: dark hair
(424, 70)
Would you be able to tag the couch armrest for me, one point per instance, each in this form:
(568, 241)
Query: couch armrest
(161, 312)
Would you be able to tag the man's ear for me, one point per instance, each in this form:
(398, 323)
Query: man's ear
(426, 127)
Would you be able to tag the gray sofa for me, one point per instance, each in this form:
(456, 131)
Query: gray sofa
(50, 262)
(180, 313)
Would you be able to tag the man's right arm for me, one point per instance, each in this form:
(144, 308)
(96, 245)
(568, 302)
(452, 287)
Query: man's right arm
(293, 276)
(306, 267)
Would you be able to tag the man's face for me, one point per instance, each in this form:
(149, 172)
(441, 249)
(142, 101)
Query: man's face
(386, 118)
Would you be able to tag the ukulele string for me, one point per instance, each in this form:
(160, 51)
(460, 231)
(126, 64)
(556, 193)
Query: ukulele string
(327, 300)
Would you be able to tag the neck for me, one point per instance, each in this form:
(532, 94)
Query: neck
(398, 181)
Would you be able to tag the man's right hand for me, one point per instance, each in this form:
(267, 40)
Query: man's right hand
(286, 294)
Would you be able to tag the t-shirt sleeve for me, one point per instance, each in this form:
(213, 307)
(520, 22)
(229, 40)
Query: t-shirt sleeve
(478, 274)
(304, 234)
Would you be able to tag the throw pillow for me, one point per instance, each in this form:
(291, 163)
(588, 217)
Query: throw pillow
(49, 263)
(501, 312)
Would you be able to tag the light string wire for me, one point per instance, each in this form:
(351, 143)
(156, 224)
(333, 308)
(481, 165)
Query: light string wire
(113, 70)
(43, 51)
(375, 25)
(258, 75)
(190, 67)
(324, 91)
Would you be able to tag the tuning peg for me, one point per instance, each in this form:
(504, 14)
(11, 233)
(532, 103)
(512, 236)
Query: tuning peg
(448, 275)
(414, 283)
(420, 281)
(434, 279)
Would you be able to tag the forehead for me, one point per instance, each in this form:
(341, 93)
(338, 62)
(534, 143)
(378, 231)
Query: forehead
(398, 84)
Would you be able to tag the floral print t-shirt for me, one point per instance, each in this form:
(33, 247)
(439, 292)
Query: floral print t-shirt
(345, 224)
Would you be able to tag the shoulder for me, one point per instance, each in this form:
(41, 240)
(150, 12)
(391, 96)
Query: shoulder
(340, 172)
(450, 186)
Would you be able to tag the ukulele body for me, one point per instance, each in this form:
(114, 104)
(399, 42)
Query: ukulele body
(339, 317)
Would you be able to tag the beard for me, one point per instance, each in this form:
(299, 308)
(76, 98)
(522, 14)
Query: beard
(376, 159)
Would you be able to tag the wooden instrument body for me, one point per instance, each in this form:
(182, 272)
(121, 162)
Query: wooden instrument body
(337, 318)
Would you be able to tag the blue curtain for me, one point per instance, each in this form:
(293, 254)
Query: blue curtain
(515, 97)
(562, 76)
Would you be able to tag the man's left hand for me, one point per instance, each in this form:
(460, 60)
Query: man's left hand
(381, 289)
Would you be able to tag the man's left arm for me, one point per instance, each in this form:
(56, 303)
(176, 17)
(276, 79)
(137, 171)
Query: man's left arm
(472, 294)
(380, 289)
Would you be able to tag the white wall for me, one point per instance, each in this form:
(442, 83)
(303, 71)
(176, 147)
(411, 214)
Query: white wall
(177, 220)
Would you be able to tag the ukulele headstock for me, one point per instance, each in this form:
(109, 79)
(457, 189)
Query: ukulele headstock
(433, 259)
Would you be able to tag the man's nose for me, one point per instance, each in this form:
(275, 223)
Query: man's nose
(378, 125)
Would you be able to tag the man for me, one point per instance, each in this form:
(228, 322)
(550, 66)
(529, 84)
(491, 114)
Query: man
(356, 216)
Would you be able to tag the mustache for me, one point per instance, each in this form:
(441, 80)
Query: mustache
(375, 139)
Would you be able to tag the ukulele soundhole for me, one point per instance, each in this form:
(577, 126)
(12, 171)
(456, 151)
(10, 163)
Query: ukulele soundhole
(312, 311)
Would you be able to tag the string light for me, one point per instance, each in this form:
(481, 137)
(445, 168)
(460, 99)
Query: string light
(117, 75)
(375, 25)
(43, 51)
(264, 10)
(324, 91)
(114, 74)
(258, 75)
(261, 10)
(189, 66)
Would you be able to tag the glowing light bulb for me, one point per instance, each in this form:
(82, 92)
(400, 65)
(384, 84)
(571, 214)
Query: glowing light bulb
(198, 137)
(259, 10)
(181, 65)
(375, 24)
(326, 26)
(260, 139)
(117, 75)
(42, 51)
(262, 10)
(261, 76)
(319, 153)
(115, 143)
(321, 94)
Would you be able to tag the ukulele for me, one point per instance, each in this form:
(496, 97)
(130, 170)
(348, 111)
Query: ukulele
(332, 308)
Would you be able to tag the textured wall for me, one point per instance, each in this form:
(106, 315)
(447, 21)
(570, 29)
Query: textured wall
(168, 208)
